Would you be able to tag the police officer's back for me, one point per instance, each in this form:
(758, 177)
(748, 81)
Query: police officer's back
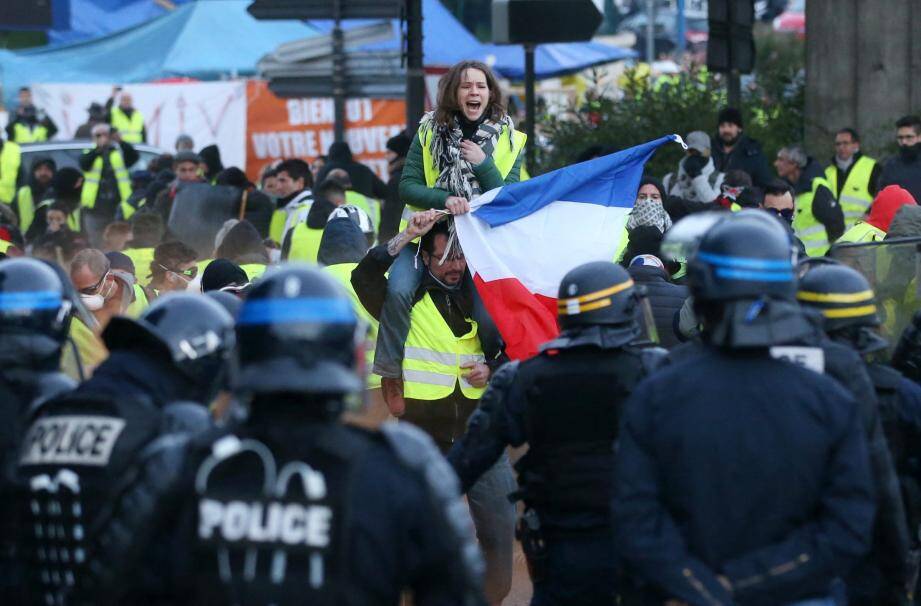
(742, 478)
(293, 507)
(565, 403)
(846, 301)
(101, 463)
(34, 319)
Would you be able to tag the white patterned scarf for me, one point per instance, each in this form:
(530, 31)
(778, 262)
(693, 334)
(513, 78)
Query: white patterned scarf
(456, 174)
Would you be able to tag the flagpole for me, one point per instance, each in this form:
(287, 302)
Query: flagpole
(529, 105)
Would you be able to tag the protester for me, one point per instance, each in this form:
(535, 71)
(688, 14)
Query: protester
(293, 183)
(904, 169)
(124, 118)
(65, 191)
(732, 149)
(184, 143)
(28, 196)
(187, 168)
(10, 159)
(91, 275)
(697, 179)
(778, 200)
(466, 146)
(243, 245)
(96, 115)
(107, 183)
(117, 237)
(647, 212)
(173, 267)
(29, 124)
(267, 181)
(146, 233)
(371, 206)
(883, 210)
(255, 206)
(211, 160)
(363, 179)
(225, 275)
(439, 390)
(852, 176)
(392, 211)
(732, 191)
(818, 219)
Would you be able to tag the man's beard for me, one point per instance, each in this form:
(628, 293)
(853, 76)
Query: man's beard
(730, 141)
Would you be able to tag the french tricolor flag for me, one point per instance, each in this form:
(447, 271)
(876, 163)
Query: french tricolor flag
(521, 239)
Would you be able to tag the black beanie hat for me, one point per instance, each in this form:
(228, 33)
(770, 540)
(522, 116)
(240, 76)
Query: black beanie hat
(731, 115)
(399, 144)
(221, 273)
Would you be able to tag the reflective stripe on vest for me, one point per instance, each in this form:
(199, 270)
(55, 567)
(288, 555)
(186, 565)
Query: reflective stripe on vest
(855, 198)
(10, 158)
(131, 129)
(94, 175)
(25, 208)
(305, 243)
(343, 274)
(863, 232)
(504, 155)
(5, 246)
(254, 270)
(806, 226)
(433, 356)
(24, 134)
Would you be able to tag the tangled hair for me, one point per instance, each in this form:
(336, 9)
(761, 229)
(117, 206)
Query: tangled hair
(449, 84)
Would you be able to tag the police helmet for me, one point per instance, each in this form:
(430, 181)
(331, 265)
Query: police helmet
(193, 331)
(230, 302)
(846, 301)
(298, 333)
(34, 308)
(598, 293)
(747, 255)
(357, 215)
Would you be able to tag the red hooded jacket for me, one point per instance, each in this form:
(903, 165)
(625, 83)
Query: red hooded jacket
(887, 203)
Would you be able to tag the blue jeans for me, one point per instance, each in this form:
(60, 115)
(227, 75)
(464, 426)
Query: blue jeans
(402, 283)
(494, 520)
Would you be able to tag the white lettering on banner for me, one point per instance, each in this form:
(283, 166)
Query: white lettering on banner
(77, 439)
(259, 522)
(359, 110)
(303, 112)
(285, 144)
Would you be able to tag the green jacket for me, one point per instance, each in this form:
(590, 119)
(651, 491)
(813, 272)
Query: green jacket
(414, 192)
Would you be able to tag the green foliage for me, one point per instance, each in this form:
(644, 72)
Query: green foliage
(772, 106)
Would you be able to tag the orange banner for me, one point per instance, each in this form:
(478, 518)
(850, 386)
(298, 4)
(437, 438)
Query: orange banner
(303, 128)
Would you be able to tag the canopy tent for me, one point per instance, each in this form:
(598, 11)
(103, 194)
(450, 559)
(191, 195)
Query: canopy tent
(90, 19)
(446, 41)
(203, 40)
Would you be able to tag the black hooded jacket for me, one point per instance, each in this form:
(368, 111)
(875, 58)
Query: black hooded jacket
(746, 155)
(665, 299)
(342, 242)
(364, 181)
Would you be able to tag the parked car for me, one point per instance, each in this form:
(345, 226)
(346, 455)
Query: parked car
(792, 20)
(67, 153)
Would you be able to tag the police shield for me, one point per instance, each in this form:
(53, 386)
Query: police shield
(893, 268)
(199, 211)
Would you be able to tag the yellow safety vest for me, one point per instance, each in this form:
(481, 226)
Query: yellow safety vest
(139, 304)
(142, 258)
(24, 134)
(90, 349)
(343, 274)
(433, 356)
(5, 246)
(863, 232)
(128, 210)
(25, 208)
(254, 270)
(10, 158)
(504, 155)
(855, 198)
(806, 226)
(305, 243)
(73, 219)
(369, 205)
(131, 129)
(94, 175)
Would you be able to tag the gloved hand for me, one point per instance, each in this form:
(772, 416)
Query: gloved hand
(693, 165)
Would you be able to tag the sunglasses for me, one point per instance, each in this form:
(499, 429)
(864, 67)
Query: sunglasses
(92, 290)
(188, 273)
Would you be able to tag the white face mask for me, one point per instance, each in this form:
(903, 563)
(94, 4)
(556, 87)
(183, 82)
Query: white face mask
(92, 302)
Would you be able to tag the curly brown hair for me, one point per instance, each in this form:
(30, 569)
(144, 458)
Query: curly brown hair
(447, 93)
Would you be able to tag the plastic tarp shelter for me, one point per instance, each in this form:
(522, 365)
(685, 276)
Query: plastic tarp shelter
(446, 41)
(203, 40)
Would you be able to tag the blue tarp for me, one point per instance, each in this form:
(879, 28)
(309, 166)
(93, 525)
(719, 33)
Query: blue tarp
(204, 40)
(446, 41)
(91, 19)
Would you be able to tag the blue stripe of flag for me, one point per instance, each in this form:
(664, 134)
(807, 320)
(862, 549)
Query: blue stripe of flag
(610, 180)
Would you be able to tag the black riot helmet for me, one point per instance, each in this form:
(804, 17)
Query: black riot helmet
(599, 293)
(34, 313)
(746, 255)
(192, 331)
(298, 333)
(846, 301)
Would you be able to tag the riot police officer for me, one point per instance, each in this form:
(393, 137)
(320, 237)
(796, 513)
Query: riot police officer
(846, 301)
(565, 403)
(34, 319)
(291, 506)
(100, 463)
(741, 478)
